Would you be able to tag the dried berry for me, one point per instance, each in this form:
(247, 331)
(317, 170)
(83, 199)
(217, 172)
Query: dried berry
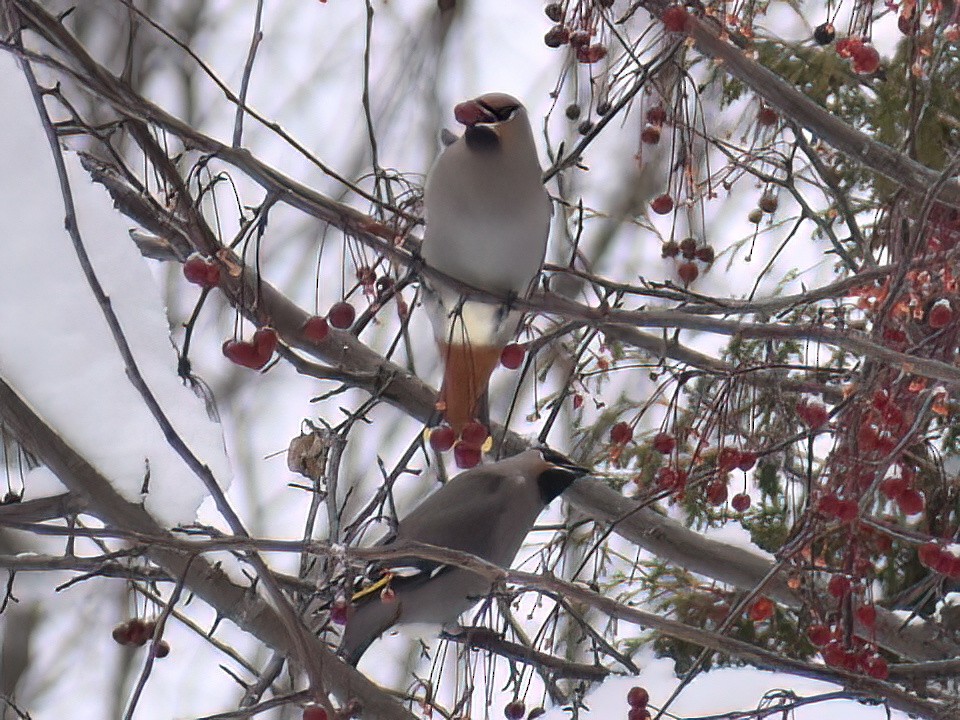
(621, 433)
(824, 33)
(554, 11)
(675, 18)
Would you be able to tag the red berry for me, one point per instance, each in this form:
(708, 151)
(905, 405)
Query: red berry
(847, 511)
(638, 713)
(866, 59)
(867, 614)
(314, 712)
(747, 460)
(893, 487)
(940, 315)
(813, 413)
(590, 54)
(621, 433)
(244, 354)
(762, 609)
(466, 456)
(442, 438)
(838, 586)
(200, 271)
(265, 342)
(688, 272)
(727, 459)
(828, 505)
(511, 357)
(662, 204)
(847, 46)
(638, 697)
(834, 654)
(819, 635)
(740, 502)
(474, 433)
(716, 492)
(911, 502)
(139, 631)
(767, 116)
(876, 667)
(675, 18)
(929, 554)
(316, 329)
(668, 478)
(342, 315)
(121, 634)
(650, 135)
(161, 649)
(664, 443)
(892, 416)
(514, 710)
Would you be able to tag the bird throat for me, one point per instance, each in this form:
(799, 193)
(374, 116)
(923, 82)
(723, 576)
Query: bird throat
(467, 370)
(482, 139)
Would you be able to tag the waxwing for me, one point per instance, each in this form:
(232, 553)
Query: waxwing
(486, 511)
(487, 222)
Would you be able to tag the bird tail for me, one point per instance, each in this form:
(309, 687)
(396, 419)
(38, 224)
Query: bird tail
(467, 370)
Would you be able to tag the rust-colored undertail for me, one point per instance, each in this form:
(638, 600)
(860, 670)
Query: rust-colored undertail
(467, 369)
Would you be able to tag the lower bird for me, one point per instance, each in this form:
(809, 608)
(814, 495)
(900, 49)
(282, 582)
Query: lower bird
(486, 511)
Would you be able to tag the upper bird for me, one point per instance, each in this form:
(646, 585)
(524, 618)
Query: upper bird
(486, 511)
(488, 218)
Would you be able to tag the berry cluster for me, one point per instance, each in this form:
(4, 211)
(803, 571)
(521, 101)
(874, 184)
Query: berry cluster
(137, 632)
(467, 449)
(689, 250)
(577, 26)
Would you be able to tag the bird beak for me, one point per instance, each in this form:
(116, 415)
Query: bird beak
(473, 112)
(466, 373)
(562, 462)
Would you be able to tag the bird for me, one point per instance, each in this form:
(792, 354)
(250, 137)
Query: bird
(486, 511)
(487, 217)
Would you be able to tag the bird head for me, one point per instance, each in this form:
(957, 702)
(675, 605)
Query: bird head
(557, 474)
(490, 120)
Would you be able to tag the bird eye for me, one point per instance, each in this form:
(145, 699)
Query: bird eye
(502, 113)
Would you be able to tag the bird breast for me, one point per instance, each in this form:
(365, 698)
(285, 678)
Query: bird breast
(487, 221)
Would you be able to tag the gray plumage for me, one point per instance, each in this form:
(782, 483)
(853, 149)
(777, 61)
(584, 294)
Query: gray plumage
(488, 216)
(486, 511)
